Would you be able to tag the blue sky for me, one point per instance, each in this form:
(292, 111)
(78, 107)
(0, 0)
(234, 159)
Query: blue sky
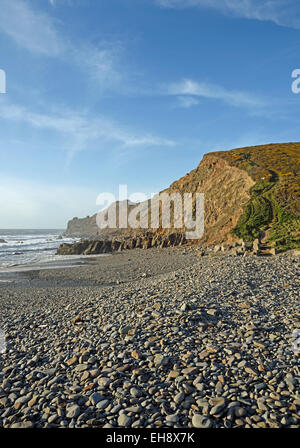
(109, 92)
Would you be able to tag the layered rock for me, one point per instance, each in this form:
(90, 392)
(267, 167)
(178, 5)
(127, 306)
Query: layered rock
(94, 247)
(226, 191)
(247, 191)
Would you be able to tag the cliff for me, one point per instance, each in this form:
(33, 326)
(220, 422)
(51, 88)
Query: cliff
(82, 227)
(249, 193)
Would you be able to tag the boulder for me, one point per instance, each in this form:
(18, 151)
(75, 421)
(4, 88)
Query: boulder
(115, 245)
(64, 249)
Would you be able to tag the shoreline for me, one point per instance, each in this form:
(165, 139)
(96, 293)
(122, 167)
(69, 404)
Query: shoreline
(15, 272)
(119, 267)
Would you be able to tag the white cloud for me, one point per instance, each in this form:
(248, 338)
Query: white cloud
(80, 131)
(32, 30)
(281, 12)
(191, 90)
(39, 34)
(187, 101)
(101, 63)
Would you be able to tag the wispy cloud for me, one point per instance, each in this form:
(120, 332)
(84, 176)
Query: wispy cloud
(187, 101)
(30, 29)
(281, 12)
(56, 2)
(102, 63)
(41, 35)
(81, 131)
(188, 91)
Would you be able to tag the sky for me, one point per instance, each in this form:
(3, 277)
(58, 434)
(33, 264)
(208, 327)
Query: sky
(107, 92)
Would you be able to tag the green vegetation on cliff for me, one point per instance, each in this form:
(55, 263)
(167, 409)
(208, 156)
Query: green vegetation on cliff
(274, 205)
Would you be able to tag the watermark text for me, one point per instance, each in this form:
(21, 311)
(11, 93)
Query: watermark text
(2, 341)
(296, 82)
(163, 210)
(296, 341)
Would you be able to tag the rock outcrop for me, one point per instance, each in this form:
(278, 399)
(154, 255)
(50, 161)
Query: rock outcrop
(82, 227)
(94, 247)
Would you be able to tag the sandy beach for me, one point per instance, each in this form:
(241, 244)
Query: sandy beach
(152, 338)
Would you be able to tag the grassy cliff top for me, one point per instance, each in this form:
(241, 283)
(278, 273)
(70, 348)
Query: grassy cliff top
(275, 197)
(274, 163)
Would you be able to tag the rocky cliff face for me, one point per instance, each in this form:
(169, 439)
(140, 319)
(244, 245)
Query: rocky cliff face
(87, 227)
(82, 227)
(226, 191)
(247, 191)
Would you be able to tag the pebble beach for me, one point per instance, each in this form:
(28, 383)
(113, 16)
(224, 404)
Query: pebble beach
(151, 339)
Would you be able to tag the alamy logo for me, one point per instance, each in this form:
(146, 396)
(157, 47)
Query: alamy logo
(163, 210)
(2, 341)
(2, 81)
(296, 341)
(296, 83)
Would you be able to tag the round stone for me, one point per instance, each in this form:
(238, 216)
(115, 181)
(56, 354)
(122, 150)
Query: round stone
(200, 421)
(239, 412)
(172, 418)
(124, 420)
(73, 411)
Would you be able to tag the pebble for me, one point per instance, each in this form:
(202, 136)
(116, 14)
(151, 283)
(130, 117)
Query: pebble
(200, 421)
(179, 397)
(190, 348)
(240, 412)
(95, 398)
(73, 411)
(172, 418)
(102, 404)
(217, 405)
(124, 420)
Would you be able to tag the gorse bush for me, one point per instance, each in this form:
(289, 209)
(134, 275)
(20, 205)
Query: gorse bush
(275, 198)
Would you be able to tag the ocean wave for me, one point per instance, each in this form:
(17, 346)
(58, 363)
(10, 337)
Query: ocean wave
(29, 246)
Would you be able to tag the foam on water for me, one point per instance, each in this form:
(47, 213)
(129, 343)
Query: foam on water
(24, 247)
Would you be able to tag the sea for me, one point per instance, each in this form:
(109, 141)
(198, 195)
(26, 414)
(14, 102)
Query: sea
(25, 247)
